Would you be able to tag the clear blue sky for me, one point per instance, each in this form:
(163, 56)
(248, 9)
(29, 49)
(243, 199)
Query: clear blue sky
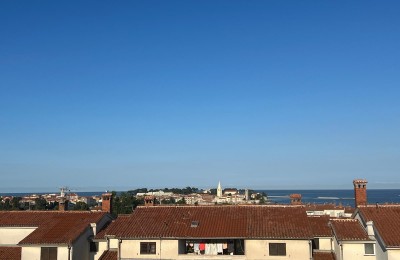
(257, 94)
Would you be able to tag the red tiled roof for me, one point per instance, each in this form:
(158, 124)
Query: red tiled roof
(10, 253)
(109, 255)
(53, 227)
(324, 256)
(213, 222)
(348, 230)
(320, 226)
(386, 222)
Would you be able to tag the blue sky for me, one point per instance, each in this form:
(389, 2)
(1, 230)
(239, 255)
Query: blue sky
(257, 94)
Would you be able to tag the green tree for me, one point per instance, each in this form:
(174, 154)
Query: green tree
(181, 201)
(7, 205)
(125, 203)
(15, 201)
(40, 204)
(80, 205)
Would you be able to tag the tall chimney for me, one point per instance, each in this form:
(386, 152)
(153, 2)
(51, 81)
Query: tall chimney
(370, 229)
(360, 192)
(63, 204)
(106, 202)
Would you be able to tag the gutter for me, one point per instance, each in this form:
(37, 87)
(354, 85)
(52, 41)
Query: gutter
(69, 252)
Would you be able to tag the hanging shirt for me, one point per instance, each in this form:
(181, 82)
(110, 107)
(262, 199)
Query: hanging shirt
(219, 248)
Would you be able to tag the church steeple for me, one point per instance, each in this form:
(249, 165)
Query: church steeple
(219, 190)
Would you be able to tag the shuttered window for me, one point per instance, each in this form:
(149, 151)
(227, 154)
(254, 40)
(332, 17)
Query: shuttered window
(48, 253)
(277, 249)
(148, 248)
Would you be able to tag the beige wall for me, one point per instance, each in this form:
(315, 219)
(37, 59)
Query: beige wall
(337, 249)
(167, 248)
(255, 249)
(393, 254)
(295, 249)
(13, 235)
(380, 251)
(355, 251)
(113, 243)
(62, 253)
(102, 246)
(325, 243)
(30, 253)
(33, 253)
(351, 251)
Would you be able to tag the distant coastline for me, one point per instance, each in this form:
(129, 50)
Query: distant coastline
(344, 197)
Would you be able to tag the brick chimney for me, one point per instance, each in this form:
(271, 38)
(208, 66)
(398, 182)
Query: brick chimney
(360, 192)
(148, 201)
(106, 202)
(63, 204)
(295, 199)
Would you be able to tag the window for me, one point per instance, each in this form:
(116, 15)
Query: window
(147, 248)
(315, 243)
(94, 246)
(277, 249)
(369, 249)
(48, 253)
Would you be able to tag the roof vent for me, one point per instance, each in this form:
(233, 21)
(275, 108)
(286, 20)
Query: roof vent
(194, 224)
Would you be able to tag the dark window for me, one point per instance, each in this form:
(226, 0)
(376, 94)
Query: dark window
(48, 253)
(369, 249)
(277, 248)
(315, 243)
(147, 248)
(93, 246)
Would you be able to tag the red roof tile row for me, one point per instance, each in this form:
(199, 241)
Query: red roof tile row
(348, 230)
(386, 221)
(320, 226)
(109, 255)
(324, 256)
(10, 253)
(213, 222)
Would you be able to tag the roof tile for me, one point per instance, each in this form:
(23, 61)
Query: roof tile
(109, 255)
(53, 227)
(348, 230)
(320, 226)
(10, 253)
(324, 256)
(386, 222)
(213, 222)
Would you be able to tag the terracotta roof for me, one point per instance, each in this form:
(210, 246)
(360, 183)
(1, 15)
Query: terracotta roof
(109, 255)
(348, 230)
(324, 256)
(213, 222)
(10, 253)
(53, 227)
(320, 226)
(102, 233)
(386, 222)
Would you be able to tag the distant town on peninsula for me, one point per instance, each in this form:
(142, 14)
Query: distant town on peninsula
(125, 202)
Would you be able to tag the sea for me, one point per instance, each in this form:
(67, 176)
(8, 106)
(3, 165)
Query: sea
(344, 197)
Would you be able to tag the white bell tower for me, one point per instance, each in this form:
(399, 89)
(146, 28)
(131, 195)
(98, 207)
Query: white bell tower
(219, 190)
